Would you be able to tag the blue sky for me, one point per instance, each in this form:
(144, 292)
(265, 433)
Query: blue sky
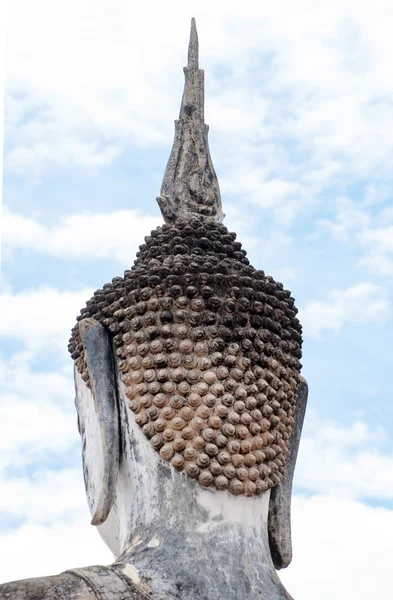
(298, 99)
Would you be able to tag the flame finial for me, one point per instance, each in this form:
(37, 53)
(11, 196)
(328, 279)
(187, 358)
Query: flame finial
(190, 185)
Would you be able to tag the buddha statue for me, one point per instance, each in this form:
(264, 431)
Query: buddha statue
(190, 404)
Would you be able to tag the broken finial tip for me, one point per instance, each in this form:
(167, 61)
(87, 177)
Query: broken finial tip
(193, 47)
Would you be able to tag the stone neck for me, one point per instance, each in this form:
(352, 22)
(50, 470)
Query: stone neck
(176, 539)
(204, 545)
(212, 560)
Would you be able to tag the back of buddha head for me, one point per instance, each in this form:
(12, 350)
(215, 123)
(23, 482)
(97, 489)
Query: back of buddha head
(208, 347)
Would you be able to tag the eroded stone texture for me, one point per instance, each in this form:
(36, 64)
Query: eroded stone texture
(209, 351)
(190, 185)
(90, 583)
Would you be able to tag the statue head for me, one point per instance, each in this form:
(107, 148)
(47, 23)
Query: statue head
(187, 368)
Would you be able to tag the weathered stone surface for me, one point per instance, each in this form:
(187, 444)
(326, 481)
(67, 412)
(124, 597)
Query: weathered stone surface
(91, 583)
(60, 587)
(101, 447)
(280, 539)
(190, 185)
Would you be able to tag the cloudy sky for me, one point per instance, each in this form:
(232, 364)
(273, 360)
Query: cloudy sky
(299, 99)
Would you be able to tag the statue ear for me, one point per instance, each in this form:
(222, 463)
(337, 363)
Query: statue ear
(279, 519)
(98, 415)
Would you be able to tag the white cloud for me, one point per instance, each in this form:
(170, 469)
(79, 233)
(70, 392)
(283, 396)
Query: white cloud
(115, 235)
(37, 414)
(43, 502)
(316, 77)
(362, 303)
(32, 429)
(345, 461)
(364, 227)
(40, 318)
(3, 22)
(287, 274)
(375, 194)
(280, 196)
(35, 550)
(227, 111)
(341, 546)
(48, 496)
(378, 244)
(350, 217)
(19, 230)
(341, 550)
(69, 153)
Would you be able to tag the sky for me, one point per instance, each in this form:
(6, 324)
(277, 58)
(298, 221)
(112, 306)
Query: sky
(299, 99)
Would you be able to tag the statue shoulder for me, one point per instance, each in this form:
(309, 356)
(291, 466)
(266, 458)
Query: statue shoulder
(90, 583)
(65, 585)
